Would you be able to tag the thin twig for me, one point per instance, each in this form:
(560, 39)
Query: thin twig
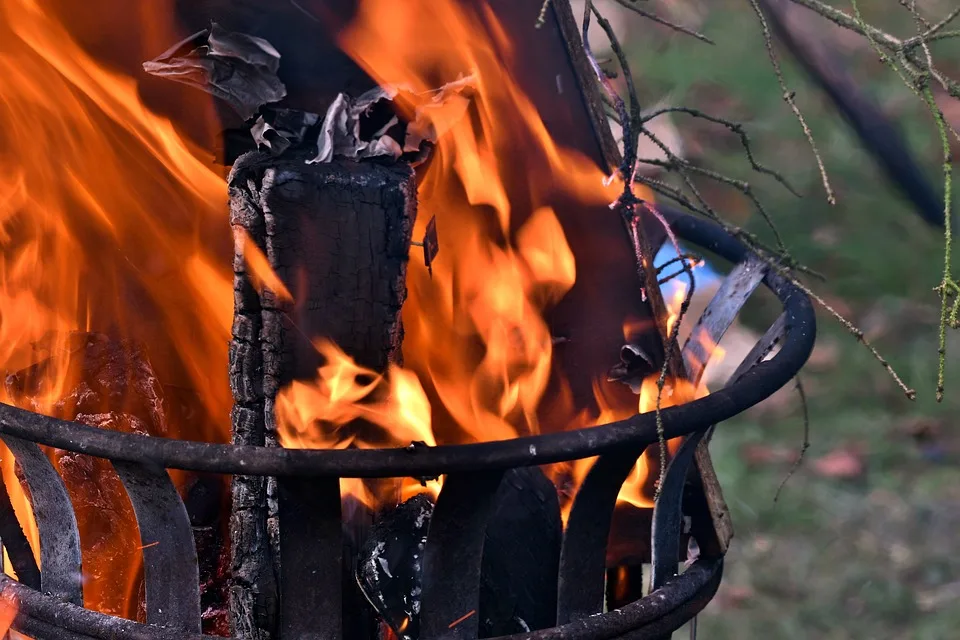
(788, 97)
(682, 167)
(857, 333)
(631, 5)
(932, 31)
(762, 250)
(743, 187)
(806, 437)
(846, 21)
(734, 127)
(947, 282)
(662, 378)
(542, 17)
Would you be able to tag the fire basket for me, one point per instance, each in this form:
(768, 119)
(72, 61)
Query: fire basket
(312, 600)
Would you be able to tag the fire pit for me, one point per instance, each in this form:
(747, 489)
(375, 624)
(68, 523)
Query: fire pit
(518, 288)
(310, 578)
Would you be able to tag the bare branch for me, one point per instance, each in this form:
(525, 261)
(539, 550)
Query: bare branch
(631, 5)
(806, 437)
(788, 97)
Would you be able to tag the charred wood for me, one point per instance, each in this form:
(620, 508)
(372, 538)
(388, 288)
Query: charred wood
(521, 554)
(337, 236)
(110, 384)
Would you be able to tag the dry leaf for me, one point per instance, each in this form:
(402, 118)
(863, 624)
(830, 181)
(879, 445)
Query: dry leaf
(843, 463)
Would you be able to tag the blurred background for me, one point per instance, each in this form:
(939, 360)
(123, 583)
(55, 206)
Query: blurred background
(862, 541)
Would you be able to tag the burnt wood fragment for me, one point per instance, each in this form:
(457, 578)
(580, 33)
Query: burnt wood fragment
(518, 566)
(337, 235)
(389, 567)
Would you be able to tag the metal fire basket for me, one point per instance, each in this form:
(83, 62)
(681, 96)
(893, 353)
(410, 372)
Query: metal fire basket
(311, 604)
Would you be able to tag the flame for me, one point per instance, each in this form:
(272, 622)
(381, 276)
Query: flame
(674, 305)
(357, 407)
(475, 334)
(638, 489)
(110, 220)
(474, 330)
(9, 606)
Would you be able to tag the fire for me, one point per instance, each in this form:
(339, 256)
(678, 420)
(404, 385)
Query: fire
(110, 220)
(355, 407)
(638, 489)
(8, 611)
(475, 334)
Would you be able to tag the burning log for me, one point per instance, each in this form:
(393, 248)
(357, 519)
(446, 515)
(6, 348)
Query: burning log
(321, 252)
(521, 552)
(109, 384)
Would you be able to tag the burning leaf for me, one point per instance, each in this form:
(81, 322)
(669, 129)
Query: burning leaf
(342, 131)
(282, 128)
(239, 69)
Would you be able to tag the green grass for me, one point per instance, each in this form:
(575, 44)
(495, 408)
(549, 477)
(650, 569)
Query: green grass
(834, 558)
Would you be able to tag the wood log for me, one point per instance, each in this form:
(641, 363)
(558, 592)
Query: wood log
(337, 235)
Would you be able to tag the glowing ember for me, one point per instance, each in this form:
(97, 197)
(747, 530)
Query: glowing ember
(8, 611)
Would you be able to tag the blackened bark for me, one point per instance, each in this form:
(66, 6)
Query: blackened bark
(337, 235)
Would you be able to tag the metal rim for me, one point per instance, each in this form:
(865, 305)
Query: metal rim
(665, 610)
(636, 431)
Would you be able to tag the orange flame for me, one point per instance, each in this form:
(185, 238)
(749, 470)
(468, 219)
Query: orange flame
(474, 332)
(474, 329)
(109, 222)
(475, 335)
(355, 407)
(9, 606)
(638, 489)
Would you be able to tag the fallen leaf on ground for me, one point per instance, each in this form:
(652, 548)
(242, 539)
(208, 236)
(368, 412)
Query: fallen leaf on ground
(844, 463)
(825, 355)
(759, 455)
(734, 596)
(938, 597)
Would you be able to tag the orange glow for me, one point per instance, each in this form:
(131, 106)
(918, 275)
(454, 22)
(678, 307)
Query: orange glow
(474, 333)
(109, 222)
(354, 406)
(474, 329)
(8, 610)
